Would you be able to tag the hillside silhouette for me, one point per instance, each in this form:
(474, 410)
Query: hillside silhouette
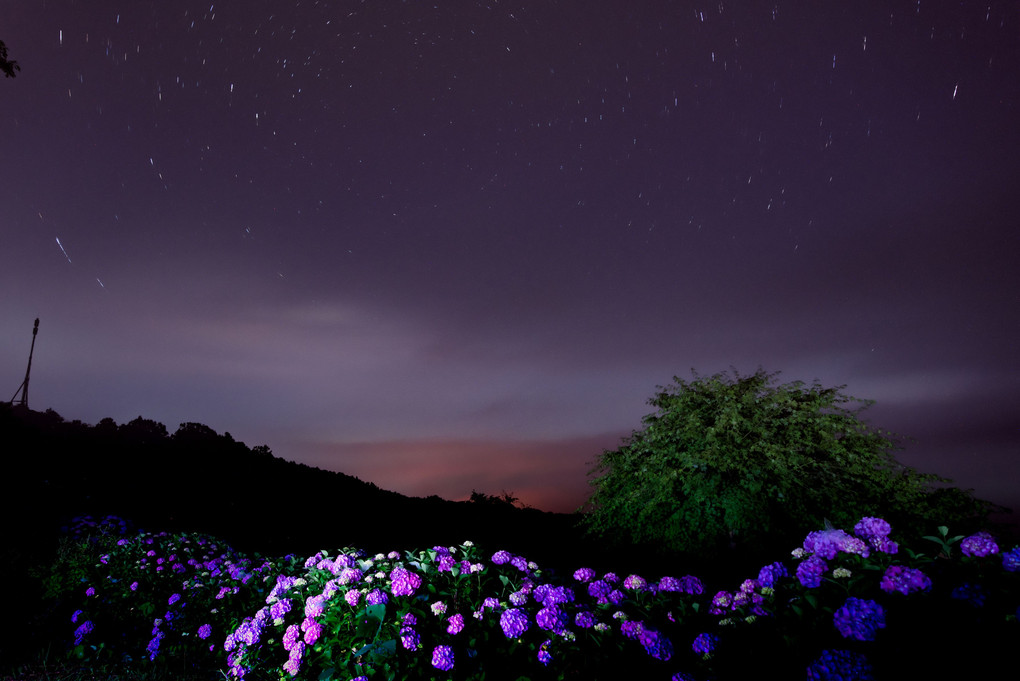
(198, 480)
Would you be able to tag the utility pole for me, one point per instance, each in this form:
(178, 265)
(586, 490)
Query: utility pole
(23, 402)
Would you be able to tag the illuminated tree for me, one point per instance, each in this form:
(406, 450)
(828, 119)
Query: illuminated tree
(733, 461)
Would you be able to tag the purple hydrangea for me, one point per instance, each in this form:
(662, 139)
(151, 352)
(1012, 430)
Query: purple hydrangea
(173, 599)
(689, 584)
(552, 619)
(704, 644)
(721, 602)
(514, 622)
(315, 606)
(656, 645)
(584, 620)
(442, 658)
(635, 582)
(501, 557)
(456, 624)
(1011, 560)
(313, 631)
(827, 543)
(810, 572)
(544, 656)
(584, 575)
(352, 597)
(291, 637)
(875, 532)
(770, 574)
(599, 590)
(409, 638)
(859, 619)
(840, 665)
(279, 609)
(631, 628)
(904, 580)
(376, 597)
(205, 631)
(979, 545)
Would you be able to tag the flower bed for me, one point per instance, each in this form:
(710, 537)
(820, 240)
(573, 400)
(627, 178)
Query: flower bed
(847, 605)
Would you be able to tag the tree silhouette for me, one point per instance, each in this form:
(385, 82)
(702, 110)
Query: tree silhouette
(8, 66)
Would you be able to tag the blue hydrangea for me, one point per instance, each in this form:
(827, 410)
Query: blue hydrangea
(83, 629)
(1011, 560)
(974, 594)
(859, 619)
(704, 644)
(840, 665)
(770, 574)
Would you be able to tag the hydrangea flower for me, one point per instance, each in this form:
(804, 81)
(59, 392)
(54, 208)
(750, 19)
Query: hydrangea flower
(656, 644)
(376, 597)
(552, 619)
(501, 557)
(904, 580)
(840, 665)
(544, 656)
(83, 629)
(409, 638)
(584, 620)
(704, 644)
(974, 594)
(770, 574)
(291, 636)
(859, 619)
(810, 572)
(315, 606)
(205, 631)
(404, 582)
(635, 582)
(442, 658)
(456, 624)
(352, 597)
(599, 590)
(584, 575)
(827, 543)
(979, 545)
(1011, 560)
(514, 622)
(875, 531)
(313, 631)
(438, 608)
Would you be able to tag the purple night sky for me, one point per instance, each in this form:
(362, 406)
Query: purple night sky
(445, 246)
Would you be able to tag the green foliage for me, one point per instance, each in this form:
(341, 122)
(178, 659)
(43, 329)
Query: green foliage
(732, 461)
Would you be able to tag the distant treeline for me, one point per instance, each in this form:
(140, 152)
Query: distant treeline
(197, 480)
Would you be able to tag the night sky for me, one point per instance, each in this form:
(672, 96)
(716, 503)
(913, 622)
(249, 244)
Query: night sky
(454, 246)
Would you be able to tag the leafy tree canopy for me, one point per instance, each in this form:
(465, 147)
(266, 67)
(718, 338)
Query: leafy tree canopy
(733, 461)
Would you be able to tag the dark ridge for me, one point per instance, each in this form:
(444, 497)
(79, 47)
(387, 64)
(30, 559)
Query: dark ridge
(197, 480)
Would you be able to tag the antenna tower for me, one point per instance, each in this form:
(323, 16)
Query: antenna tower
(23, 402)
